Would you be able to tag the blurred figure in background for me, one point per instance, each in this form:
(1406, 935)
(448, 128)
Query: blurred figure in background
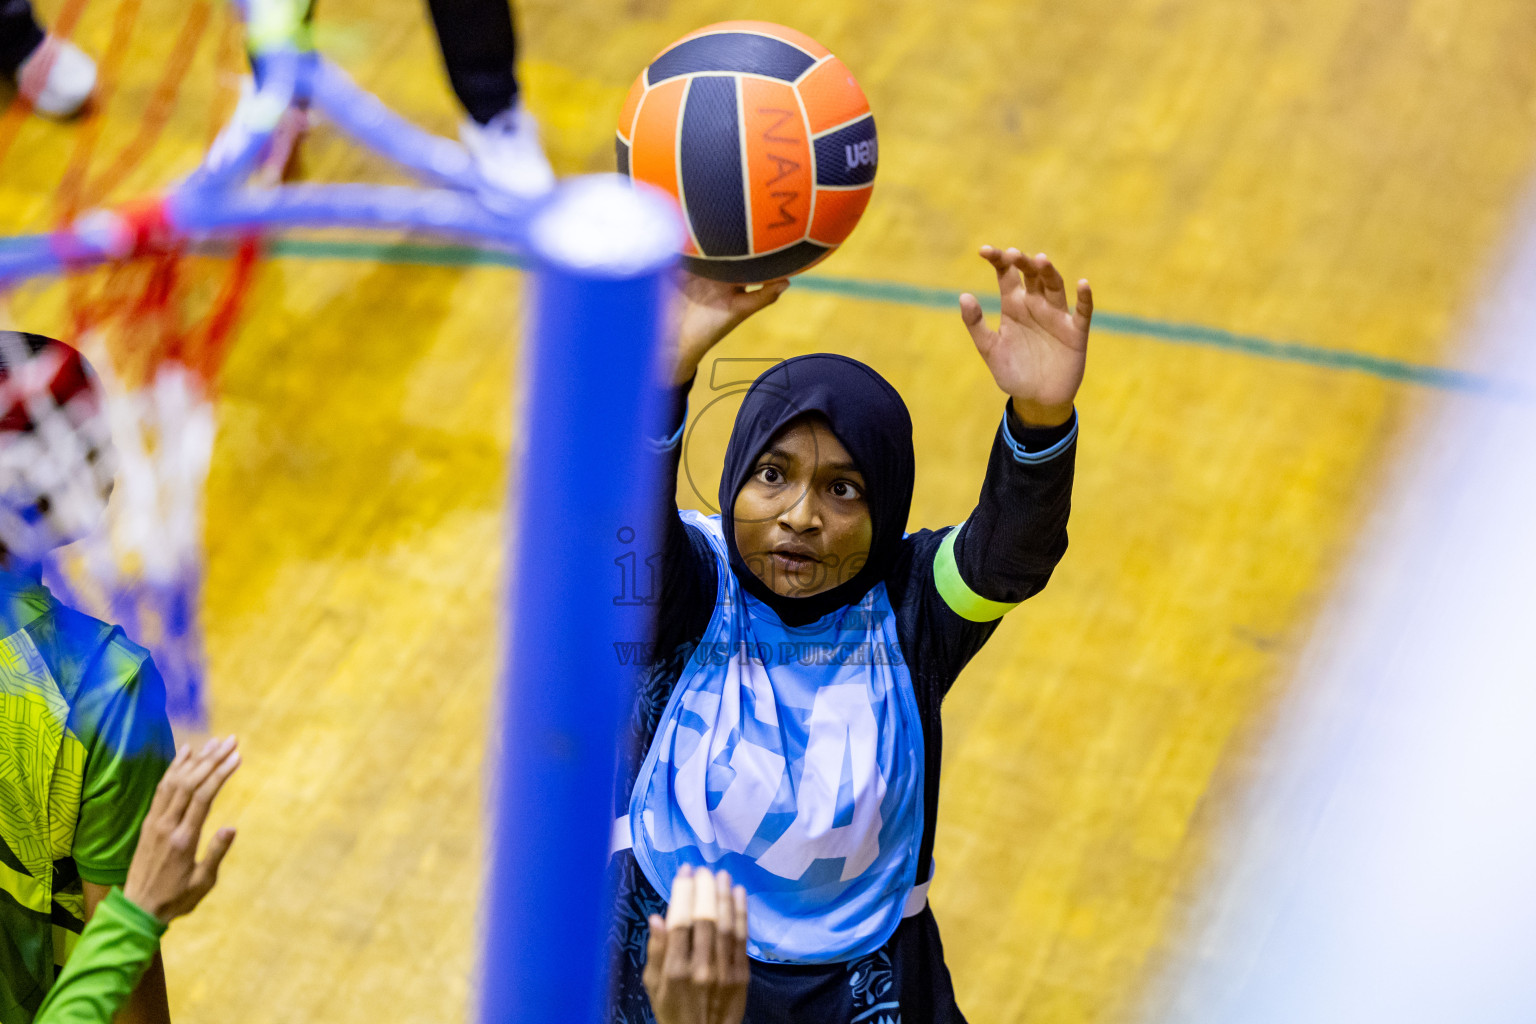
(479, 47)
(480, 51)
(52, 74)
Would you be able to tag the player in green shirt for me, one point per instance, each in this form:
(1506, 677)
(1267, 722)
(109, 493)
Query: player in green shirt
(84, 736)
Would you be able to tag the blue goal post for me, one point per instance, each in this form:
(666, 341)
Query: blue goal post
(584, 486)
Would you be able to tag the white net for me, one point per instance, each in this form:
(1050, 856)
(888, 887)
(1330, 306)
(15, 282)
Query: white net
(143, 568)
(155, 330)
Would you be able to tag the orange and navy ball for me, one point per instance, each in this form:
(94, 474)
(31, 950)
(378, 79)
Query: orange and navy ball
(764, 139)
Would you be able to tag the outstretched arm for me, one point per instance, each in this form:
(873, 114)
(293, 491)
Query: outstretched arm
(165, 881)
(705, 312)
(1008, 546)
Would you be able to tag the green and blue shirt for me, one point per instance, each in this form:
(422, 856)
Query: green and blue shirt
(84, 739)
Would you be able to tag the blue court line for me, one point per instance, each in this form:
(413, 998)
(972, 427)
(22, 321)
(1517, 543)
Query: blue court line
(896, 293)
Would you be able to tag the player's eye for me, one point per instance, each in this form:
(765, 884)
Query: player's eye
(846, 489)
(770, 474)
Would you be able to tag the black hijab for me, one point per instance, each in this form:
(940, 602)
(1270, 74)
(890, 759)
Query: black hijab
(871, 421)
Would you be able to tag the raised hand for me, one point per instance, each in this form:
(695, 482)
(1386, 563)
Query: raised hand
(1039, 350)
(708, 311)
(166, 878)
(696, 969)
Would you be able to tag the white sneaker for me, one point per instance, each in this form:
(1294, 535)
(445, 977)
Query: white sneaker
(507, 153)
(57, 78)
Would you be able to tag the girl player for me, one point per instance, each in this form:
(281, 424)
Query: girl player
(788, 731)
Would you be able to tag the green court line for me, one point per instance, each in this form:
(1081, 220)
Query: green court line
(896, 293)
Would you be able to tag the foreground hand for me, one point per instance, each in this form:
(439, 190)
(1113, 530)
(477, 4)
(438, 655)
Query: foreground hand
(165, 878)
(696, 968)
(1040, 348)
(708, 311)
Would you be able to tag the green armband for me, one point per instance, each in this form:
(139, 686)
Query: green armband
(962, 600)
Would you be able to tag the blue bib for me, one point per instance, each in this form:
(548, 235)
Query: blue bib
(792, 758)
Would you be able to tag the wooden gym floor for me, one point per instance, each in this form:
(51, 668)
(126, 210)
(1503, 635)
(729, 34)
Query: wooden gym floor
(1334, 173)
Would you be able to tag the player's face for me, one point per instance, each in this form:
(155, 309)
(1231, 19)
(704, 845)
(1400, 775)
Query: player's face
(802, 521)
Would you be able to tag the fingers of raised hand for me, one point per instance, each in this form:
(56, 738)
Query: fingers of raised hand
(1083, 314)
(166, 787)
(970, 310)
(201, 782)
(1050, 279)
(680, 910)
(699, 289)
(1001, 259)
(218, 846)
(741, 969)
(1009, 281)
(725, 927)
(1029, 273)
(771, 290)
(218, 773)
(185, 777)
(203, 763)
(735, 970)
(204, 873)
(706, 915)
(655, 953)
(976, 322)
(744, 303)
(696, 960)
(680, 927)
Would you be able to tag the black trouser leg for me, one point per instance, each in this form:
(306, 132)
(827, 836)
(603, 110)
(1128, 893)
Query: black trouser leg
(480, 50)
(19, 34)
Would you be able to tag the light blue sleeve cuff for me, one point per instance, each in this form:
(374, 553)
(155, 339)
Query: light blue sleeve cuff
(1029, 458)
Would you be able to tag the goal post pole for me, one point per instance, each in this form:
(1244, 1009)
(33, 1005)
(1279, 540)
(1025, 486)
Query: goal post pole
(584, 487)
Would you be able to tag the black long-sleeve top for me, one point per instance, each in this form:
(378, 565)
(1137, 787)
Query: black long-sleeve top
(1004, 553)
